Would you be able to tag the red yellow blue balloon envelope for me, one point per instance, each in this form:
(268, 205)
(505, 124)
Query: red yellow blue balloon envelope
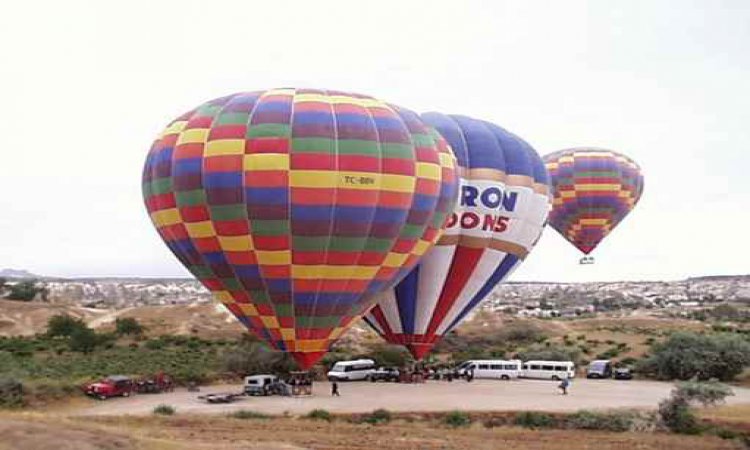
(594, 189)
(501, 213)
(294, 205)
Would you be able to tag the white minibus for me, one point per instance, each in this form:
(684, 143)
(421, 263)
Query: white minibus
(359, 369)
(491, 368)
(548, 370)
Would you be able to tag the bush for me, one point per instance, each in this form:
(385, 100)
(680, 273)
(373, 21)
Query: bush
(256, 357)
(675, 412)
(391, 355)
(319, 414)
(606, 421)
(533, 419)
(83, 340)
(457, 419)
(24, 291)
(64, 325)
(377, 416)
(686, 355)
(128, 325)
(164, 410)
(11, 393)
(248, 414)
(551, 353)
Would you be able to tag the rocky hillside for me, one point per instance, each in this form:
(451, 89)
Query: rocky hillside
(124, 293)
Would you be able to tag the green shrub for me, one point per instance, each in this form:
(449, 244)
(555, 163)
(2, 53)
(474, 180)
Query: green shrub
(676, 413)
(456, 419)
(686, 355)
(64, 325)
(534, 419)
(11, 393)
(24, 291)
(83, 340)
(377, 416)
(248, 414)
(128, 325)
(319, 414)
(606, 421)
(164, 410)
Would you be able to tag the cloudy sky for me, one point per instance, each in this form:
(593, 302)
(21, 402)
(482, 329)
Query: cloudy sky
(85, 86)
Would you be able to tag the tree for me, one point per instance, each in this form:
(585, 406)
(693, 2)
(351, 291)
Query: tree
(675, 412)
(390, 355)
(3, 281)
(687, 355)
(128, 325)
(83, 340)
(256, 357)
(24, 291)
(63, 325)
(552, 353)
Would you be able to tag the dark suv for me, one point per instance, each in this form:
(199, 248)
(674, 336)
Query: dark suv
(384, 374)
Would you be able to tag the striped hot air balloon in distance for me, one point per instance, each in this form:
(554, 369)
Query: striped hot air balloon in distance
(292, 205)
(593, 189)
(502, 210)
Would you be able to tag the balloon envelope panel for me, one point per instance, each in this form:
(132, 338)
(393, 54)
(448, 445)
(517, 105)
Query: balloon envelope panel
(291, 205)
(502, 210)
(594, 189)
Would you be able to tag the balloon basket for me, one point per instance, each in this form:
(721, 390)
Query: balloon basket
(586, 260)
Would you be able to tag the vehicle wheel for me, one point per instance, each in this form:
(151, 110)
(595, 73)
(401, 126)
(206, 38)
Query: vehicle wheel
(505, 377)
(372, 379)
(126, 394)
(555, 378)
(102, 397)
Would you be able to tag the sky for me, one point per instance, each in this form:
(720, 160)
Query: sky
(86, 86)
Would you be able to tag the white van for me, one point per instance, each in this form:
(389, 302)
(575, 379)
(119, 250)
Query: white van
(492, 368)
(359, 369)
(259, 384)
(548, 370)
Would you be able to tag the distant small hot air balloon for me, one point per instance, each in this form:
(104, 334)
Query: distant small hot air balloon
(594, 189)
(292, 205)
(502, 210)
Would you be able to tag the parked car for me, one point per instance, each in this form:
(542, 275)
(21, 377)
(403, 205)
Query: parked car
(384, 374)
(600, 368)
(358, 369)
(623, 373)
(112, 386)
(261, 384)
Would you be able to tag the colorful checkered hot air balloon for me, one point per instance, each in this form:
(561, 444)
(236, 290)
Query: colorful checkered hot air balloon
(292, 205)
(503, 206)
(594, 189)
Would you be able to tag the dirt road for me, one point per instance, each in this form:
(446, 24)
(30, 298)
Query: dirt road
(479, 395)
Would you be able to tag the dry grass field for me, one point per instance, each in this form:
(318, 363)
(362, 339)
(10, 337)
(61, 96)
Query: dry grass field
(38, 432)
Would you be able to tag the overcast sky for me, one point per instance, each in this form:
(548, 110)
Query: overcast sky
(85, 87)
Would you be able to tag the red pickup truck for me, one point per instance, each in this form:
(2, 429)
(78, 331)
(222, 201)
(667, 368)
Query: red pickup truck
(113, 386)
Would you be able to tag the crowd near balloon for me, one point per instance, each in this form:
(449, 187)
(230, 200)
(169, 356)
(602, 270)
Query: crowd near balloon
(304, 211)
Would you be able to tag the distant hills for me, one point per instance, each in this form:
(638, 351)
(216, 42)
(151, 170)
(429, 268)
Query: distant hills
(14, 273)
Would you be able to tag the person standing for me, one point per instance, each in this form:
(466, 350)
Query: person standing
(564, 384)
(335, 389)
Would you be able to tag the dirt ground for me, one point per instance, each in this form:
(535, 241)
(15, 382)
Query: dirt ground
(357, 397)
(37, 432)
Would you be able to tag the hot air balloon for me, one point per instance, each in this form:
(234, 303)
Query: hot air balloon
(593, 189)
(503, 206)
(293, 205)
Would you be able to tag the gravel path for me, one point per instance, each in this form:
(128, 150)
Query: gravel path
(479, 395)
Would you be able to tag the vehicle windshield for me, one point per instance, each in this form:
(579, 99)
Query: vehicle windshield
(338, 368)
(597, 365)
